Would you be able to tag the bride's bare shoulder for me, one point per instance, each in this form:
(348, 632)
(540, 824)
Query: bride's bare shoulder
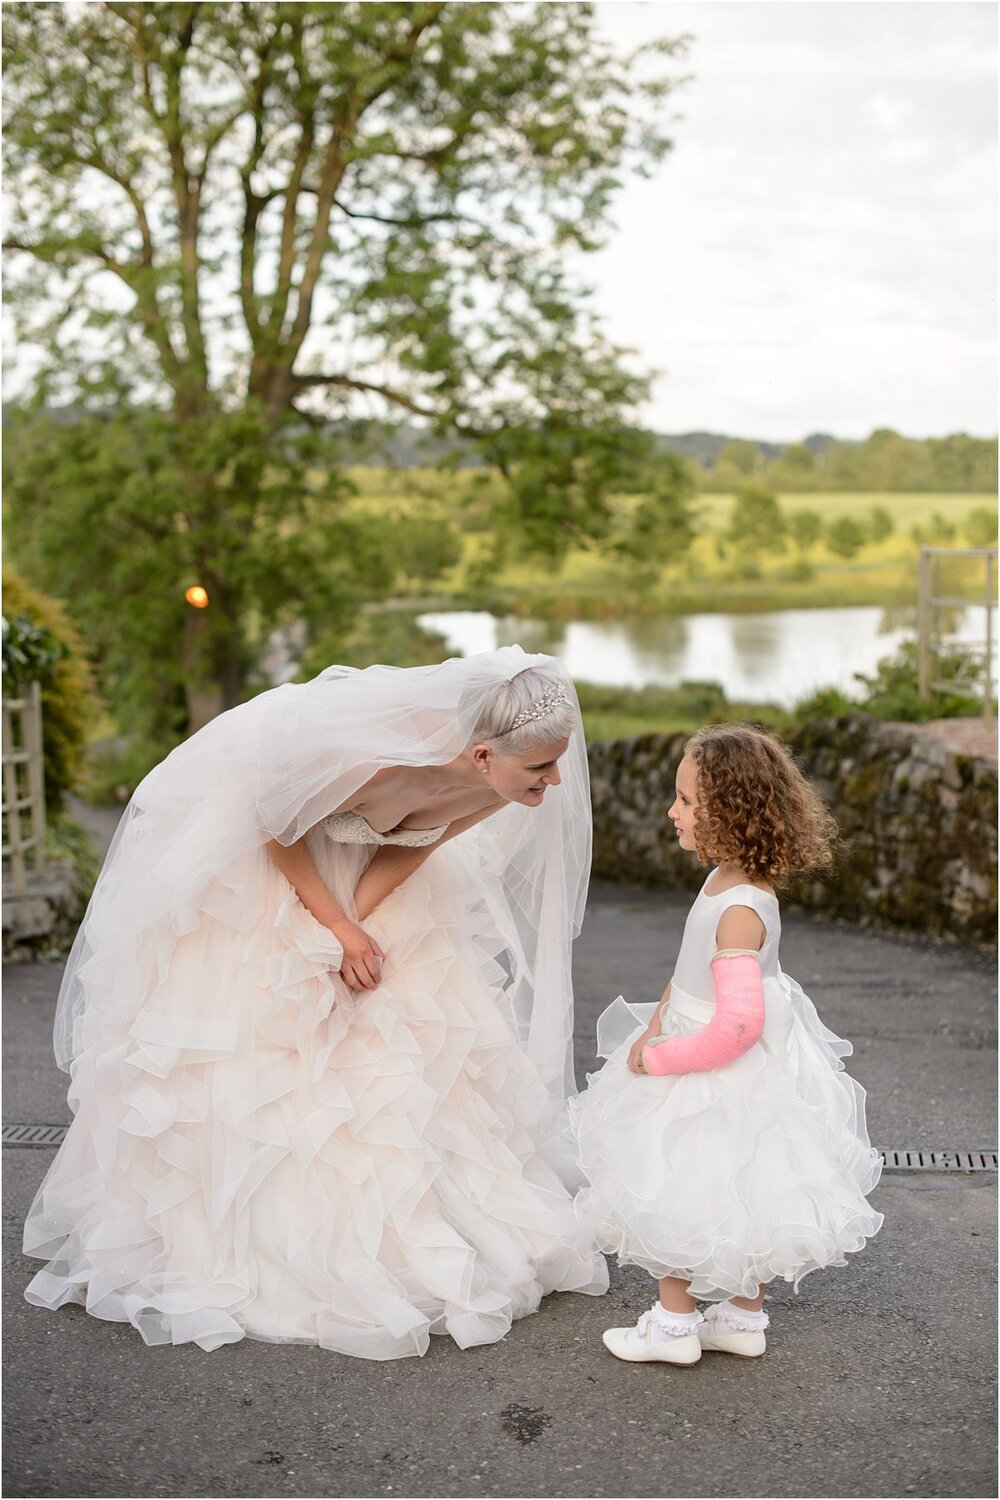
(381, 776)
(379, 781)
(386, 776)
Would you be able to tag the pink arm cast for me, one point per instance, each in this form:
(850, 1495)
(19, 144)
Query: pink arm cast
(737, 1024)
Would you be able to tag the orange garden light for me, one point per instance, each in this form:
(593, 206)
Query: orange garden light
(197, 596)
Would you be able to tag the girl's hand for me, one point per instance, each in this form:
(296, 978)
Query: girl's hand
(635, 1063)
(362, 966)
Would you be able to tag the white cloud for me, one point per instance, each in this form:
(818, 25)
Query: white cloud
(819, 251)
(888, 114)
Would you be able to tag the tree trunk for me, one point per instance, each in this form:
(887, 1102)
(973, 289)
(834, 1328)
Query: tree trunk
(204, 696)
(213, 656)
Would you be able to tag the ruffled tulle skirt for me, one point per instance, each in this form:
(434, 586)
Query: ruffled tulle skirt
(261, 1153)
(732, 1178)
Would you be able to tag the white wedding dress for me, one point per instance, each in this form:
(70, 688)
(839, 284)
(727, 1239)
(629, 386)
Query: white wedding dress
(284, 1162)
(256, 1150)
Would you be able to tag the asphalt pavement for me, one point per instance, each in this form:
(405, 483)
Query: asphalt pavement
(879, 1378)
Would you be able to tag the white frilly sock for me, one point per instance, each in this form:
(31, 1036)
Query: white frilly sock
(675, 1325)
(737, 1319)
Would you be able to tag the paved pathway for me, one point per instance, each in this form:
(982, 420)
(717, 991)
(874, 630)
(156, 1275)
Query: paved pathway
(878, 1381)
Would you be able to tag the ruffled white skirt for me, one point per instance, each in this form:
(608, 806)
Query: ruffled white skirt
(261, 1153)
(732, 1178)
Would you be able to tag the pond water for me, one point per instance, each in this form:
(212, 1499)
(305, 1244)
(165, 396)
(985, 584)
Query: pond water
(778, 656)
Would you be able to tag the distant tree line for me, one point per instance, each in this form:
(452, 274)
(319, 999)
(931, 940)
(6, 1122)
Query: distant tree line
(885, 461)
(758, 524)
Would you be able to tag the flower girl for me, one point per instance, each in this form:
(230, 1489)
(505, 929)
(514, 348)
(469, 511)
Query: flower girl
(723, 1142)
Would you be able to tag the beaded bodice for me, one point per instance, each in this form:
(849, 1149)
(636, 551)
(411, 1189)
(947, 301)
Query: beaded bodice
(352, 828)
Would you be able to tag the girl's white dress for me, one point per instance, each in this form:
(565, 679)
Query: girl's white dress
(741, 1175)
(257, 1152)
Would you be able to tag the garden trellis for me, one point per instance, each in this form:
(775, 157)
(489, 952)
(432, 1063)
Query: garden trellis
(23, 786)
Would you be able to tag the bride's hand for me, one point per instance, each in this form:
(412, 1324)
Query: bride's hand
(362, 966)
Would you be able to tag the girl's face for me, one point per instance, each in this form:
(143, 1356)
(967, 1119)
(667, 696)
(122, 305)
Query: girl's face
(522, 778)
(685, 804)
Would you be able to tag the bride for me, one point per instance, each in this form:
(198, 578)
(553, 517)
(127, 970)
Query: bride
(318, 1022)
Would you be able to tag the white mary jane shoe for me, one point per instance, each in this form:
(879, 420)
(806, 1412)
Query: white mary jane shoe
(722, 1333)
(648, 1343)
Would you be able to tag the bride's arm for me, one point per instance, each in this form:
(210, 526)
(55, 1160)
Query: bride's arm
(299, 868)
(394, 863)
(361, 967)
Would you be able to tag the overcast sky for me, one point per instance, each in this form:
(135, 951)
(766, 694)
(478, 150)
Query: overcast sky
(819, 251)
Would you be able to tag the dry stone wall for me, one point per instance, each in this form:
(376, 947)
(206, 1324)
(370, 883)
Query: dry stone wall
(43, 920)
(918, 823)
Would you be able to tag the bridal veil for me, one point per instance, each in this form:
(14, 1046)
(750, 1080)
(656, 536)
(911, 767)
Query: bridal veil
(274, 768)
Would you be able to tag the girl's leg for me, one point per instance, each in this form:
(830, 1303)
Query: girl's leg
(750, 1304)
(675, 1297)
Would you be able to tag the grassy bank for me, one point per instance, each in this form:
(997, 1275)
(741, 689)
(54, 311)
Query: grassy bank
(890, 693)
(611, 713)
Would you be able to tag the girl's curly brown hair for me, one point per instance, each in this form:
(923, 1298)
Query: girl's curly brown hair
(755, 808)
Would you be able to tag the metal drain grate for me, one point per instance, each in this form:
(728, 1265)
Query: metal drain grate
(940, 1161)
(895, 1161)
(34, 1135)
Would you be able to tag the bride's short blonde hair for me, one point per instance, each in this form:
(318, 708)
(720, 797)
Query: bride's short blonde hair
(529, 691)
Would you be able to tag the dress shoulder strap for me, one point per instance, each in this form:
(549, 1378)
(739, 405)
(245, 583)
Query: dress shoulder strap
(764, 903)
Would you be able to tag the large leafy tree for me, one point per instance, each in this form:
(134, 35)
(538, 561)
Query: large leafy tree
(234, 221)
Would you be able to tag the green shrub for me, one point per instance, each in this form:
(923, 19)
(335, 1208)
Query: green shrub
(30, 655)
(116, 768)
(845, 536)
(805, 528)
(894, 690)
(68, 841)
(800, 570)
(744, 570)
(938, 531)
(617, 713)
(757, 523)
(979, 527)
(825, 703)
(698, 698)
(391, 636)
(941, 530)
(68, 701)
(880, 524)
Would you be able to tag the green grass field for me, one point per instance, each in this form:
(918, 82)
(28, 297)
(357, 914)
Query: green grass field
(412, 490)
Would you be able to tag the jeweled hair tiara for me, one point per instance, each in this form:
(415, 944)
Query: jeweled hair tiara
(552, 698)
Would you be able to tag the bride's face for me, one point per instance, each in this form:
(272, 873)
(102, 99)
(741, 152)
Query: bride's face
(523, 777)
